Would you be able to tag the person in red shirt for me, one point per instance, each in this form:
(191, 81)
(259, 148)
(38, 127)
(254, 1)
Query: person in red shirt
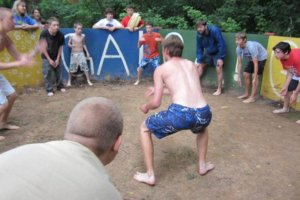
(132, 21)
(150, 42)
(290, 60)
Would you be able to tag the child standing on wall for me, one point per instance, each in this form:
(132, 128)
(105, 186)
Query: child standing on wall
(78, 58)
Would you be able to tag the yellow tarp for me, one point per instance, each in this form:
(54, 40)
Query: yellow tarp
(23, 76)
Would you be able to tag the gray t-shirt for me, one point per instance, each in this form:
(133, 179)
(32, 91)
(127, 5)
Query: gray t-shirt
(252, 50)
(54, 171)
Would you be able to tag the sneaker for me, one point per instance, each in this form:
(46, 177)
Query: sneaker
(137, 82)
(281, 110)
(62, 89)
(50, 94)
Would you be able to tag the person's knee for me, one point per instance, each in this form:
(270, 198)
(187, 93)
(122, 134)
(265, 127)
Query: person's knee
(3, 107)
(144, 127)
(246, 75)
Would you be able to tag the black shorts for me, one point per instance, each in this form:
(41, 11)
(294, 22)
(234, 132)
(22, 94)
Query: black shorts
(293, 85)
(250, 67)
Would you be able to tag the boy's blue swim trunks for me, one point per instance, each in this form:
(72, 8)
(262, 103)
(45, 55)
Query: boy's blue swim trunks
(177, 118)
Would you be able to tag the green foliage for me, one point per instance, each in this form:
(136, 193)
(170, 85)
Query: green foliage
(253, 16)
(230, 26)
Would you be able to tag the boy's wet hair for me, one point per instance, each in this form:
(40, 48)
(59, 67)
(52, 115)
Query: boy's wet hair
(109, 11)
(77, 24)
(130, 6)
(174, 45)
(149, 24)
(283, 46)
(241, 35)
(52, 19)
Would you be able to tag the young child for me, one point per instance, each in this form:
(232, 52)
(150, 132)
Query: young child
(8, 94)
(188, 111)
(150, 42)
(132, 21)
(51, 55)
(290, 60)
(256, 56)
(77, 43)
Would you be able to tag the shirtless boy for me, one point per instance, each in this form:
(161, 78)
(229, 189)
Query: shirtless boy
(7, 92)
(188, 111)
(77, 43)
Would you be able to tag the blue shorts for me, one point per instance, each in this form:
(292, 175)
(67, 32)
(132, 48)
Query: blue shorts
(154, 62)
(178, 118)
(5, 89)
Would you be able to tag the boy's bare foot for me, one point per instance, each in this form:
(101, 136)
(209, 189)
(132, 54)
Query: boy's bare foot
(137, 82)
(8, 127)
(145, 178)
(281, 110)
(249, 100)
(217, 93)
(298, 121)
(90, 83)
(2, 138)
(244, 96)
(204, 168)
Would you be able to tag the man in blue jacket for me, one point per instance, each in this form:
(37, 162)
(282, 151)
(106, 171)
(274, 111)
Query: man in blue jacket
(211, 50)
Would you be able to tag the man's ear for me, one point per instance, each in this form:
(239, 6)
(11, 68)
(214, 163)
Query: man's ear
(117, 144)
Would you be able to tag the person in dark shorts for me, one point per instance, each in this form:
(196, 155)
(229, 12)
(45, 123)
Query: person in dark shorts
(290, 60)
(256, 56)
(188, 111)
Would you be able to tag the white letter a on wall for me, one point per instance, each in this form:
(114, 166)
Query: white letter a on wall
(109, 40)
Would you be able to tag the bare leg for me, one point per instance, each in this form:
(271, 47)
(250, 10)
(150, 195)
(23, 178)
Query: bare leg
(88, 78)
(252, 97)
(219, 70)
(247, 86)
(69, 80)
(200, 69)
(286, 104)
(147, 146)
(5, 111)
(202, 143)
(139, 75)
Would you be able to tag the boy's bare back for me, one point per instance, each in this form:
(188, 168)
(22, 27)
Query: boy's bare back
(181, 78)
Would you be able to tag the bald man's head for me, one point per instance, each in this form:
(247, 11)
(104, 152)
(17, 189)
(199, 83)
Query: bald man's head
(98, 119)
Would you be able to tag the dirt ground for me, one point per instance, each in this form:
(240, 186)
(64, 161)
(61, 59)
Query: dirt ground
(256, 153)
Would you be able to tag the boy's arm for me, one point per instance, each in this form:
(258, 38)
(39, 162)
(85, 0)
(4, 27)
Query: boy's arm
(70, 42)
(11, 48)
(239, 69)
(85, 48)
(158, 93)
(284, 90)
(58, 55)
(254, 75)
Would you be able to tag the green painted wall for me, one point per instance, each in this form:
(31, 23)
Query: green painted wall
(209, 78)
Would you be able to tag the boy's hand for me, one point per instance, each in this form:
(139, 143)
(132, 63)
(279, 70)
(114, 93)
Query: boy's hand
(26, 61)
(158, 39)
(150, 91)
(284, 92)
(239, 82)
(142, 39)
(144, 108)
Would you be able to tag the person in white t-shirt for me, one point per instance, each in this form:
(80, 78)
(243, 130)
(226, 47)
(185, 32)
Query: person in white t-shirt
(108, 23)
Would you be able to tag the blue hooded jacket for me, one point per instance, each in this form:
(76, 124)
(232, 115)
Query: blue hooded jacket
(213, 43)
